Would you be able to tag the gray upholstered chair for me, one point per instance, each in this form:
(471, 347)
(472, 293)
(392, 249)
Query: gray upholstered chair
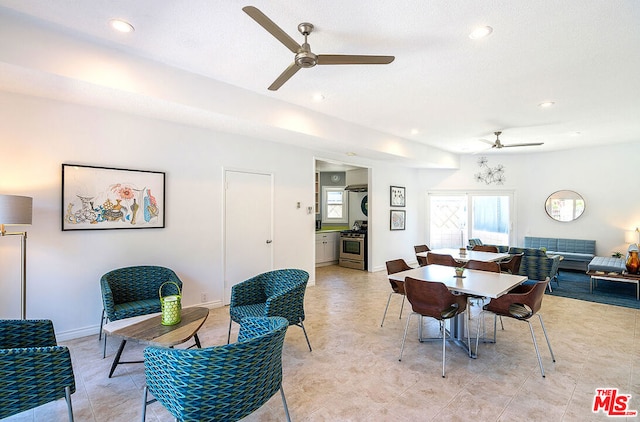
(34, 370)
(274, 293)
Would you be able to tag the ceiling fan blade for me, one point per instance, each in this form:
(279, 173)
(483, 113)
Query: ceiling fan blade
(487, 142)
(324, 59)
(284, 76)
(523, 145)
(272, 28)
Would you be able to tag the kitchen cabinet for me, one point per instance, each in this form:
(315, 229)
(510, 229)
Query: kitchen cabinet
(327, 248)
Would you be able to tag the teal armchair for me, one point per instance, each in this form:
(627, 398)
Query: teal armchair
(536, 264)
(221, 383)
(132, 291)
(274, 293)
(34, 370)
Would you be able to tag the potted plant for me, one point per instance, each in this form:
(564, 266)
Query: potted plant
(616, 254)
(459, 271)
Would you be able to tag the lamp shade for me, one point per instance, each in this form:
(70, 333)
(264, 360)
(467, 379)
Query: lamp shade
(16, 210)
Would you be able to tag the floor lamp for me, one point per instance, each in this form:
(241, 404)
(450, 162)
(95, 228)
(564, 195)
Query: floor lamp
(18, 210)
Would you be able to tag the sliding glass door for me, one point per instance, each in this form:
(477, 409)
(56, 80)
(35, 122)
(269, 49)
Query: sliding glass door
(456, 217)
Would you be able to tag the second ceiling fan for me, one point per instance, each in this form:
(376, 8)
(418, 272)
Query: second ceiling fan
(497, 144)
(304, 58)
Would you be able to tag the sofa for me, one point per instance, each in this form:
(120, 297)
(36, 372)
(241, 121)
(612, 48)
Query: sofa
(576, 253)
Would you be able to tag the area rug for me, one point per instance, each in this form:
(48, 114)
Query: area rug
(575, 285)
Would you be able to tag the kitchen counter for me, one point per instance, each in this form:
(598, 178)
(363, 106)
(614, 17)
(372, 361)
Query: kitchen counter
(331, 229)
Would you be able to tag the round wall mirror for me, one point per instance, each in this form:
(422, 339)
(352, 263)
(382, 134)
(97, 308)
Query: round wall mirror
(564, 205)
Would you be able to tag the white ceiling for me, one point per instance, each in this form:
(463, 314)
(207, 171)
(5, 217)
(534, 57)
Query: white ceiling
(582, 54)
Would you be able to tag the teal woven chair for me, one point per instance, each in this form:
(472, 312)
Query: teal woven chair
(132, 291)
(274, 293)
(536, 265)
(221, 383)
(34, 370)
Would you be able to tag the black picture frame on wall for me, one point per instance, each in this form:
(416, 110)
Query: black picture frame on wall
(104, 198)
(397, 220)
(397, 196)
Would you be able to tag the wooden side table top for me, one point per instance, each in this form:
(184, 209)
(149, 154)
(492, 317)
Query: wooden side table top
(150, 329)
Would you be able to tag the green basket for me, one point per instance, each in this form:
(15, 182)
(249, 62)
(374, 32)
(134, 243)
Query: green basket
(170, 305)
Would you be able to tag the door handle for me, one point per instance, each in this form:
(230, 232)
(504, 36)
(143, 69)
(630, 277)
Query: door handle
(269, 241)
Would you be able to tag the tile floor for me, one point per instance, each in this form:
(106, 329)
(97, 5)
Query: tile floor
(353, 373)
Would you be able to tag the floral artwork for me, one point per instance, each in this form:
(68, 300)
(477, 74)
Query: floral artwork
(397, 220)
(488, 174)
(109, 198)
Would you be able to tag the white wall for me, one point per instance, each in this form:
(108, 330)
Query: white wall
(607, 178)
(63, 268)
(38, 135)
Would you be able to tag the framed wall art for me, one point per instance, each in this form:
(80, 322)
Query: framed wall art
(101, 198)
(397, 196)
(397, 219)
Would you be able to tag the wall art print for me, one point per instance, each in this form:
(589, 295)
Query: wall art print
(397, 196)
(397, 219)
(101, 198)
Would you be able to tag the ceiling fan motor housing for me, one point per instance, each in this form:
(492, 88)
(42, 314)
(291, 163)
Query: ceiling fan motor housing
(306, 58)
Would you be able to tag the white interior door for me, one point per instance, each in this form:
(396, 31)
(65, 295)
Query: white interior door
(248, 238)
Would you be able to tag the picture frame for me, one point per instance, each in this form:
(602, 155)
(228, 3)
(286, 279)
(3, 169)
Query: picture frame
(397, 220)
(104, 198)
(397, 196)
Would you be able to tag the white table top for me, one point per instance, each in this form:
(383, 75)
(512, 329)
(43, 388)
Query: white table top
(478, 283)
(475, 255)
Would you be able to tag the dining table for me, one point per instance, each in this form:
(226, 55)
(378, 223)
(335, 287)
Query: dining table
(468, 255)
(485, 284)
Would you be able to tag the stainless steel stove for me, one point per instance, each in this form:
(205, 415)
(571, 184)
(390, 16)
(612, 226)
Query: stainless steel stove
(353, 246)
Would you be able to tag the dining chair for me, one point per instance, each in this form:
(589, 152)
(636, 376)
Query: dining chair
(485, 248)
(520, 303)
(440, 259)
(433, 299)
(493, 267)
(474, 264)
(422, 261)
(512, 265)
(397, 287)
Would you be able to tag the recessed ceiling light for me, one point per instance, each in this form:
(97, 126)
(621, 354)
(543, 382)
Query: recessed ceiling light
(121, 25)
(351, 154)
(318, 97)
(414, 131)
(546, 104)
(480, 32)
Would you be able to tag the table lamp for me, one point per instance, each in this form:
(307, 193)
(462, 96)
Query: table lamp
(18, 210)
(632, 236)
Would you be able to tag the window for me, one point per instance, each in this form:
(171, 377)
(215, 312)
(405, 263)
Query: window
(335, 206)
(454, 218)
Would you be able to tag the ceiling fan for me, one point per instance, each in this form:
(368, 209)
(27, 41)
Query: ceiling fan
(304, 58)
(497, 144)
